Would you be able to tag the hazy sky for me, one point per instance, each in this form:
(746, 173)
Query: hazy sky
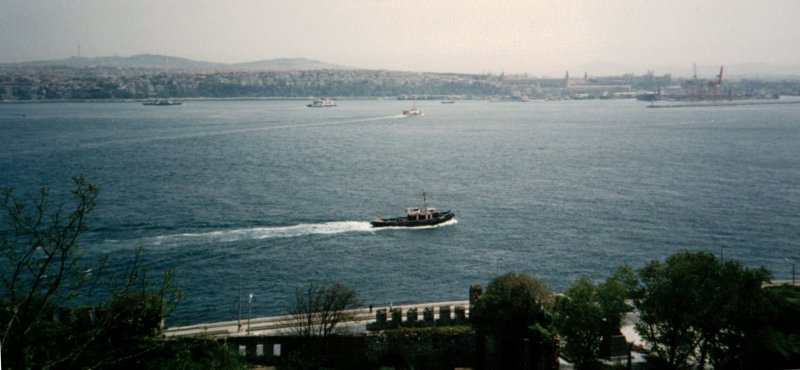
(540, 37)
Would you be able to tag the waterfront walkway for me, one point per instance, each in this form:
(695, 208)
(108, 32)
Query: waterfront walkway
(279, 325)
(783, 282)
(719, 103)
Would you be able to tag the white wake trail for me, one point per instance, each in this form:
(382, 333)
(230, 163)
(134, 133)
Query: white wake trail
(201, 134)
(256, 233)
(272, 232)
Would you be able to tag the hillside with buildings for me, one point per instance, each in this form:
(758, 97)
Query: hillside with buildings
(155, 76)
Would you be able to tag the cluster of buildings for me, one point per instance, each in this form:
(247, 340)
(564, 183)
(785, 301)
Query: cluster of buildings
(61, 83)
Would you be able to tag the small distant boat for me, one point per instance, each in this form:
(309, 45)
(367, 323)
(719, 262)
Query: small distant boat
(649, 96)
(448, 102)
(161, 102)
(322, 103)
(425, 216)
(413, 111)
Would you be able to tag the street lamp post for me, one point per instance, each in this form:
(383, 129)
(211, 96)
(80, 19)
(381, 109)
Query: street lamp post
(249, 303)
(792, 262)
(239, 322)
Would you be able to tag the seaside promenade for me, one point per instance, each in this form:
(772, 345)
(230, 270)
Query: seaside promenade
(278, 325)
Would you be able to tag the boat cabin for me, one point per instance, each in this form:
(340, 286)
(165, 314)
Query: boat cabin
(420, 213)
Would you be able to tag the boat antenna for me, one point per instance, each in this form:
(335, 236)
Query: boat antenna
(425, 201)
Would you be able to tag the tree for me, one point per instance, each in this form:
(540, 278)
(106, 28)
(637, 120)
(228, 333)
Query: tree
(516, 308)
(695, 310)
(39, 257)
(578, 318)
(316, 309)
(738, 318)
(779, 346)
(615, 295)
(588, 315)
(672, 299)
(58, 311)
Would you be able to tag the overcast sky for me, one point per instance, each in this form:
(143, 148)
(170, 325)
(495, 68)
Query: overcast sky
(540, 37)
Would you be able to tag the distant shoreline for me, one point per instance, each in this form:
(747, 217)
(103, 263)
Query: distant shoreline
(786, 99)
(184, 99)
(723, 104)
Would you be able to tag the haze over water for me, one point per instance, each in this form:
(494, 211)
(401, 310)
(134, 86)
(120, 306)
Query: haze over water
(271, 195)
(542, 37)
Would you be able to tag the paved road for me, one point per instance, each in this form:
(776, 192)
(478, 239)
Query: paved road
(783, 282)
(277, 325)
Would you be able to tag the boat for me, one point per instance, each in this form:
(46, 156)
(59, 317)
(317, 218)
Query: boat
(413, 111)
(448, 102)
(162, 102)
(425, 216)
(322, 103)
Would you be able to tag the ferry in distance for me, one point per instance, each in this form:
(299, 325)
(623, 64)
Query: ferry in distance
(413, 111)
(322, 103)
(425, 216)
(162, 102)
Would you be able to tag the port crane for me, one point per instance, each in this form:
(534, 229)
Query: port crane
(697, 90)
(714, 85)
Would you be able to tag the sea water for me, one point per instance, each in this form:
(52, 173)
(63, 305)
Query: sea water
(264, 197)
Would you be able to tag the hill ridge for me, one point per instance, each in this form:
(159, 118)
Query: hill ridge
(158, 61)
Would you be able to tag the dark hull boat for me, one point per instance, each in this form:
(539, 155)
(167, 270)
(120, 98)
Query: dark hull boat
(437, 218)
(425, 216)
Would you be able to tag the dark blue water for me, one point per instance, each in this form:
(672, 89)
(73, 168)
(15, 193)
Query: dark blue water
(275, 195)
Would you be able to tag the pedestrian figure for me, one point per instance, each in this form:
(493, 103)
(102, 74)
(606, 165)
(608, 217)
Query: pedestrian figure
(370, 308)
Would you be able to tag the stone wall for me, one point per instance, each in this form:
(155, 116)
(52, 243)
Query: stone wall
(420, 349)
(431, 316)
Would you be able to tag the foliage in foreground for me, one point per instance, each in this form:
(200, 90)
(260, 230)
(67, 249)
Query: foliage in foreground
(779, 347)
(516, 309)
(59, 311)
(695, 310)
(192, 354)
(587, 315)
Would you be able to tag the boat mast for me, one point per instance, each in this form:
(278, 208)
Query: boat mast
(425, 202)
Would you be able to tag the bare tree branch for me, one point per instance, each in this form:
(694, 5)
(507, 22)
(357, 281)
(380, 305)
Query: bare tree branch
(317, 310)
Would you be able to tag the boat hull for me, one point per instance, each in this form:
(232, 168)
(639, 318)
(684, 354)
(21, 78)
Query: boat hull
(413, 112)
(406, 222)
(322, 103)
(162, 103)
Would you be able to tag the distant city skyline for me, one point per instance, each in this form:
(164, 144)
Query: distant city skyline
(542, 38)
